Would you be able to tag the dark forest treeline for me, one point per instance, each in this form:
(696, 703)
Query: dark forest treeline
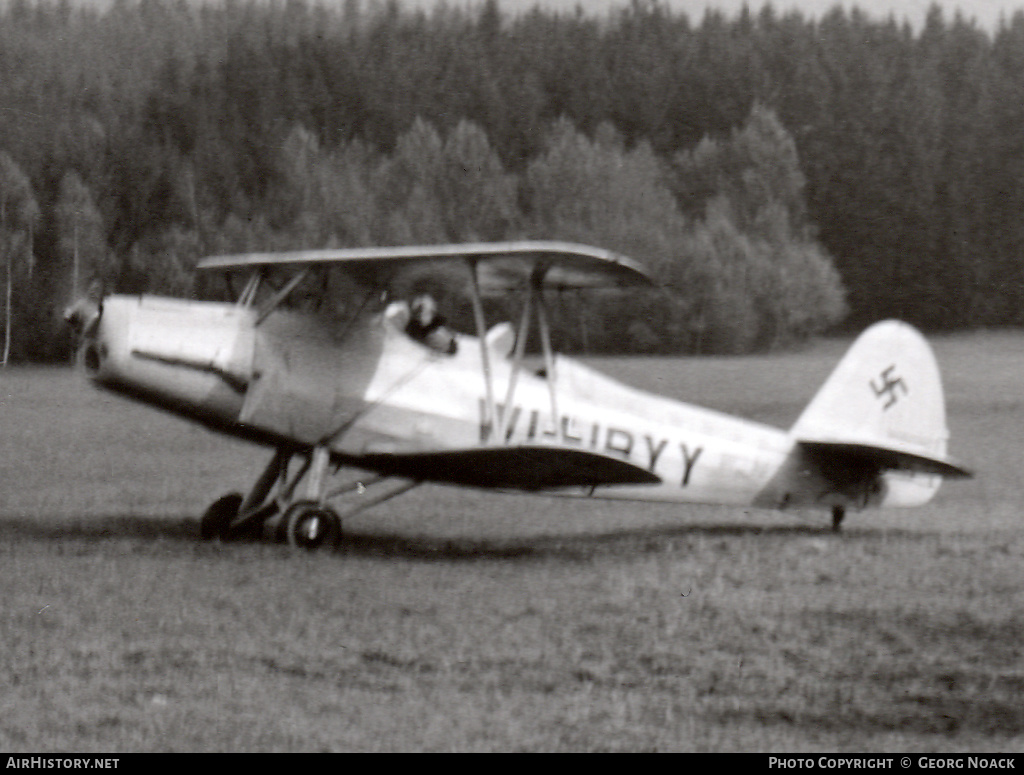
(777, 172)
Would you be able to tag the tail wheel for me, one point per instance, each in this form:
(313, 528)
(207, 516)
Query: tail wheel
(216, 521)
(838, 514)
(310, 526)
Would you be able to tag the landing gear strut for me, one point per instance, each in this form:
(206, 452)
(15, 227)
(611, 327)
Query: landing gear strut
(305, 522)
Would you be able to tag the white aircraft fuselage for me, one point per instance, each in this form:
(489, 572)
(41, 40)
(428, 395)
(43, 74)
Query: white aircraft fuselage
(379, 400)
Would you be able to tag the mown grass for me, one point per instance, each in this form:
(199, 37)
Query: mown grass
(458, 620)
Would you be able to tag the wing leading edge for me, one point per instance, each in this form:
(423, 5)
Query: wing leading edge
(501, 266)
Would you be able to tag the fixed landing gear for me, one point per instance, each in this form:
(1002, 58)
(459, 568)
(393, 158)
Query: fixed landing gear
(216, 521)
(272, 508)
(308, 525)
(838, 514)
(222, 522)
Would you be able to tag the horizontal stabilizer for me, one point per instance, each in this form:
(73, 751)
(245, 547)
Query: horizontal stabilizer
(513, 468)
(890, 456)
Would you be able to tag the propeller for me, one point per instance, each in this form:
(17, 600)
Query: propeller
(83, 314)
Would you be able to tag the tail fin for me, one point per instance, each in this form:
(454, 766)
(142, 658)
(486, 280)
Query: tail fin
(884, 404)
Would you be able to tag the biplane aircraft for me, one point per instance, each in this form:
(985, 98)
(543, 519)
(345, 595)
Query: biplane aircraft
(359, 391)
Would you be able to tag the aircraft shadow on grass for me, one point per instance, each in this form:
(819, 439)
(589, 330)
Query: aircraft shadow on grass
(568, 546)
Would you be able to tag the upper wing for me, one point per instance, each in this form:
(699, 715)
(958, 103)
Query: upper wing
(501, 266)
(518, 468)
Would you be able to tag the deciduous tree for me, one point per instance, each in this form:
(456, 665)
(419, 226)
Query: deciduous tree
(19, 214)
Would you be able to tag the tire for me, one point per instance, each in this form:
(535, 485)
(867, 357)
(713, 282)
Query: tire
(216, 521)
(838, 514)
(310, 526)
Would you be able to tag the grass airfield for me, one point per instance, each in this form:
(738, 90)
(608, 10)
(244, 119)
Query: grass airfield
(455, 620)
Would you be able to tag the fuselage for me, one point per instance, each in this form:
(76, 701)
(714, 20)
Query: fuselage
(363, 388)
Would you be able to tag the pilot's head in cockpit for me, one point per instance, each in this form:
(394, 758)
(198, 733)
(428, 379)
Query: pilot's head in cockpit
(424, 309)
(428, 326)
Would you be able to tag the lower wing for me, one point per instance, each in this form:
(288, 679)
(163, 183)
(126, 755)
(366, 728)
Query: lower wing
(511, 468)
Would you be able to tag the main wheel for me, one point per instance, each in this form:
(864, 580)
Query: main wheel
(310, 526)
(216, 521)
